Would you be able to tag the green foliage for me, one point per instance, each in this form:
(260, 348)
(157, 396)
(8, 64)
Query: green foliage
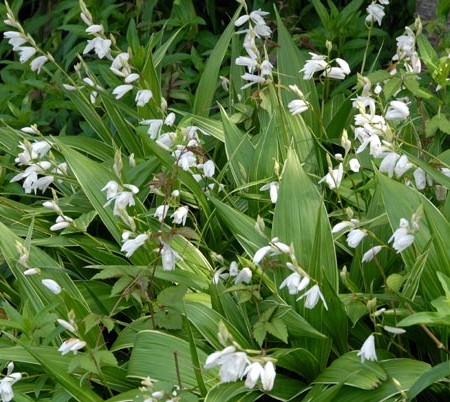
(208, 202)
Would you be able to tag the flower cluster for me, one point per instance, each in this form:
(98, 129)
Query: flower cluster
(253, 62)
(39, 173)
(375, 11)
(235, 365)
(99, 44)
(239, 276)
(296, 282)
(22, 43)
(321, 63)
(6, 383)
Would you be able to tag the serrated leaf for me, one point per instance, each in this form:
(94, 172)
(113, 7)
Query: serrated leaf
(278, 328)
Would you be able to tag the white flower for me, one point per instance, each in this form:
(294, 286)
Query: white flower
(266, 68)
(402, 166)
(297, 106)
(233, 366)
(214, 359)
(6, 392)
(401, 238)
(268, 378)
(143, 96)
(168, 257)
(25, 53)
(253, 79)
(186, 159)
(170, 119)
(388, 163)
(371, 253)
(52, 285)
(112, 188)
(313, 65)
(420, 178)
(354, 165)
(367, 351)
(208, 168)
(161, 212)
(334, 177)
(121, 90)
(66, 325)
(71, 345)
(249, 62)
(295, 283)
(241, 20)
(336, 73)
(131, 78)
(120, 65)
(394, 330)
(62, 222)
(244, 275)
(375, 12)
(276, 247)
(180, 214)
(154, 127)
(234, 269)
(253, 371)
(32, 271)
(343, 225)
(16, 39)
(93, 29)
(312, 297)
(37, 63)
(131, 245)
(397, 110)
(354, 237)
(273, 190)
(100, 46)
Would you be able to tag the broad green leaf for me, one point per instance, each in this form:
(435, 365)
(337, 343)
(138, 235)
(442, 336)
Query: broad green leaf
(435, 374)
(295, 222)
(427, 53)
(239, 150)
(208, 81)
(162, 357)
(432, 223)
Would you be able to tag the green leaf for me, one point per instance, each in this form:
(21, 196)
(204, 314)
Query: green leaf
(208, 81)
(163, 357)
(296, 218)
(431, 376)
(427, 53)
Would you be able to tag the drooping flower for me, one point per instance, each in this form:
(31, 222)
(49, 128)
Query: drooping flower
(143, 96)
(394, 330)
(37, 63)
(131, 245)
(100, 46)
(243, 276)
(71, 345)
(388, 163)
(375, 12)
(268, 378)
(161, 212)
(312, 297)
(402, 166)
(397, 110)
(131, 78)
(25, 53)
(62, 222)
(180, 215)
(273, 190)
(314, 64)
(334, 177)
(295, 283)
(402, 238)
(355, 236)
(420, 178)
(297, 106)
(168, 257)
(6, 391)
(121, 90)
(368, 351)
(208, 168)
(354, 165)
(254, 371)
(371, 253)
(52, 285)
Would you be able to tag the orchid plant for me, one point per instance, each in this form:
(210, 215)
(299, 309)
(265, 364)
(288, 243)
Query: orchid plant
(283, 235)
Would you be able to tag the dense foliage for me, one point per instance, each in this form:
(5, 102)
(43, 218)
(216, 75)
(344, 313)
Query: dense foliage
(223, 203)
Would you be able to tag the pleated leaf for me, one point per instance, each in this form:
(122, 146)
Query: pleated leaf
(296, 221)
